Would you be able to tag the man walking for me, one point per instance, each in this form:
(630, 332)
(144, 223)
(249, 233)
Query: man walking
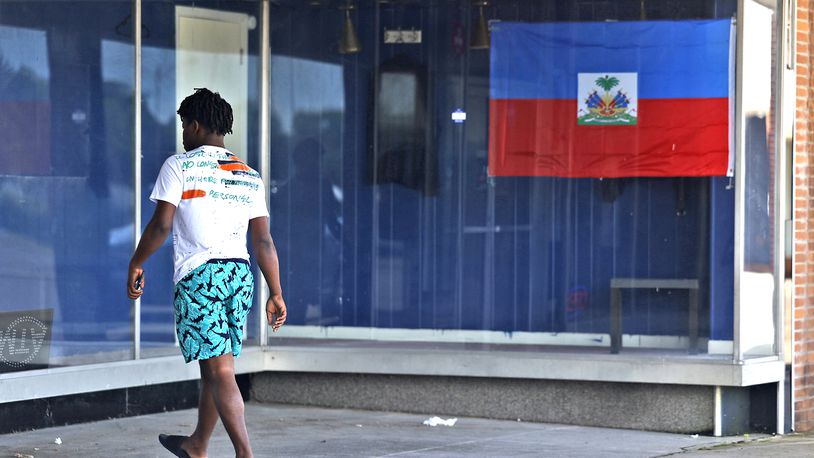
(209, 198)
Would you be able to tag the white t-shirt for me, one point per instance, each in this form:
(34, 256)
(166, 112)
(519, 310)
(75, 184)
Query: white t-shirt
(215, 195)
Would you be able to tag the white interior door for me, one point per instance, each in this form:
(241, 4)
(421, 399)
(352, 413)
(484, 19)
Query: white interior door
(211, 51)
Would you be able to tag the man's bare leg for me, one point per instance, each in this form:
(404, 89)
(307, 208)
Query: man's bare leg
(219, 374)
(198, 442)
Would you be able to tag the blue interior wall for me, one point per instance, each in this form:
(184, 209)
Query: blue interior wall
(721, 259)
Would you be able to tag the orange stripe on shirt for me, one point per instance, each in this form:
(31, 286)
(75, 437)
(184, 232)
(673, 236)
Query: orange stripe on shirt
(193, 193)
(234, 166)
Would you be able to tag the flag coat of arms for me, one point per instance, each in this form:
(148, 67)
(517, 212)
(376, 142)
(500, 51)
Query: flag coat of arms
(611, 99)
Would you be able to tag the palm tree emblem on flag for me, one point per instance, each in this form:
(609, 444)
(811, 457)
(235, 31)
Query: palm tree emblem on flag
(610, 99)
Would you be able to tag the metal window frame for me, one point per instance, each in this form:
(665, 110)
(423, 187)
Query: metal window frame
(402, 360)
(780, 203)
(783, 10)
(779, 180)
(265, 151)
(740, 181)
(136, 325)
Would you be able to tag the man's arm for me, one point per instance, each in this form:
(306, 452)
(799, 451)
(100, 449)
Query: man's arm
(267, 260)
(153, 237)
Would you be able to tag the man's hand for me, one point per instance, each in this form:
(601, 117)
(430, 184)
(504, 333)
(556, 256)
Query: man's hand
(153, 237)
(135, 282)
(275, 312)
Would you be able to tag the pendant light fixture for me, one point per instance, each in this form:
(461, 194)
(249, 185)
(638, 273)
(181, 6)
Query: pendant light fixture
(348, 42)
(480, 31)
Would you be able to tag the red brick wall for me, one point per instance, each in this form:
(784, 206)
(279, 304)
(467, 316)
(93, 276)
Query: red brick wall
(803, 378)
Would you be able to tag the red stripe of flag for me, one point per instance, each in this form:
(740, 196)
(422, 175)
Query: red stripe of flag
(672, 137)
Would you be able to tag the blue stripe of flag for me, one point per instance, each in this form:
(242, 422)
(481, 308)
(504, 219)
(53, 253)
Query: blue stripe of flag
(673, 59)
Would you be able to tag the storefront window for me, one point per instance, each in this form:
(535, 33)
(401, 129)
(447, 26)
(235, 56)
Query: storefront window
(393, 223)
(66, 193)
(431, 180)
(187, 45)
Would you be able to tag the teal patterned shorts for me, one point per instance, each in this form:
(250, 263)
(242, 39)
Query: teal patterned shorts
(211, 305)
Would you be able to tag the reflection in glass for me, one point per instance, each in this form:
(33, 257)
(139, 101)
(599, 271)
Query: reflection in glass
(191, 44)
(65, 179)
(757, 279)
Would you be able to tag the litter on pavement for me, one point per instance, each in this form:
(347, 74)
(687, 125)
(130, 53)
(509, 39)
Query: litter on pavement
(435, 421)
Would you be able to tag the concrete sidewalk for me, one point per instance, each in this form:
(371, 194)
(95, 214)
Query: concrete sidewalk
(283, 430)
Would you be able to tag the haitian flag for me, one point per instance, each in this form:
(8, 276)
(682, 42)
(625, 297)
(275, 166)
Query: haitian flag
(611, 99)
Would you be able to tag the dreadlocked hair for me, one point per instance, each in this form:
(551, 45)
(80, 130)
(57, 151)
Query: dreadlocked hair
(209, 109)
